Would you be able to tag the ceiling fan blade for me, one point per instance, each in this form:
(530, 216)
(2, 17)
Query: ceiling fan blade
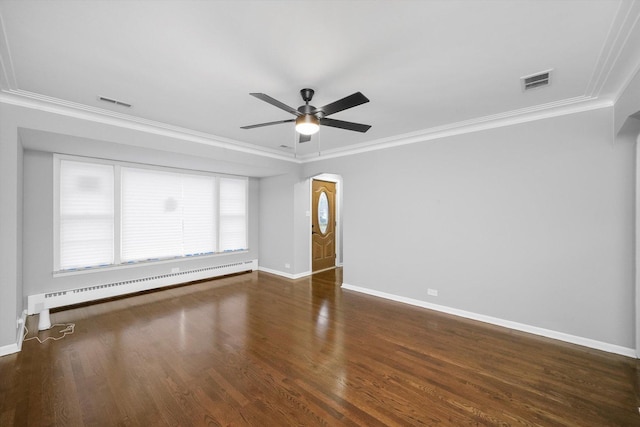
(358, 127)
(267, 124)
(342, 104)
(276, 103)
(304, 138)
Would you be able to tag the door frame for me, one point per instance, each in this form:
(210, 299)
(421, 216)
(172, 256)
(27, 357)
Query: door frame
(337, 179)
(637, 249)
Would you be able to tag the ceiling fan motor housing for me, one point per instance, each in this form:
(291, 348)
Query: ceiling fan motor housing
(306, 109)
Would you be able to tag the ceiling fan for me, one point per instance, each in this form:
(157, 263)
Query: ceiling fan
(309, 118)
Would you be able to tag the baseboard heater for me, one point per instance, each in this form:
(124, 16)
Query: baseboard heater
(38, 302)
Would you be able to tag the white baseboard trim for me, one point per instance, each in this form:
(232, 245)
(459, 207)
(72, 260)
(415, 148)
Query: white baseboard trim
(14, 348)
(585, 342)
(20, 336)
(38, 302)
(284, 274)
(9, 349)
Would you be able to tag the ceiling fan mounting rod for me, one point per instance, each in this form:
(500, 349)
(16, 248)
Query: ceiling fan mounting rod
(307, 94)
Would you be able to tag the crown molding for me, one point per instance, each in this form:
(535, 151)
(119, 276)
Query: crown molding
(618, 37)
(635, 67)
(7, 74)
(539, 112)
(71, 109)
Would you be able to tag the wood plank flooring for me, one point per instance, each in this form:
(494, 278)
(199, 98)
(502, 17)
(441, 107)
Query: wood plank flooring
(257, 349)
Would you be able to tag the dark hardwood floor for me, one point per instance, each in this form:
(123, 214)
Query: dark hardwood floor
(257, 349)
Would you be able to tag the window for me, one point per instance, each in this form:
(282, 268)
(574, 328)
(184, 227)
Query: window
(167, 214)
(86, 216)
(233, 214)
(153, 214)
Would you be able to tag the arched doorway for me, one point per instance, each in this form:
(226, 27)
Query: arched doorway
(325, 222)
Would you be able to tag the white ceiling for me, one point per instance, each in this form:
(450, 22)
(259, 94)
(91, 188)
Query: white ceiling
(425, 65)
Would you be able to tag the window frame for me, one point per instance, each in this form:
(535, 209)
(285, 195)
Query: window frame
(117, 241)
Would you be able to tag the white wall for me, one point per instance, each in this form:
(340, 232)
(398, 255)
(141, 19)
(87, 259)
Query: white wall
(531, 223)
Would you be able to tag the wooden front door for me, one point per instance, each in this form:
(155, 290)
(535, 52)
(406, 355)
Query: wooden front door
(323, 225)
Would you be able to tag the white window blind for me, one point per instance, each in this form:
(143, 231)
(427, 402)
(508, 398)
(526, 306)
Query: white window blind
(233, 214)
(199, 212)
(86, 215)
(159, 214)
(166, 214)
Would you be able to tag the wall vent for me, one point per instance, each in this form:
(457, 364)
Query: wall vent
(536, 80)
(37, 303)
(114, 101)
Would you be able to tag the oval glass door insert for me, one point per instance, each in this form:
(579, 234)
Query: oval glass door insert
(323, 212)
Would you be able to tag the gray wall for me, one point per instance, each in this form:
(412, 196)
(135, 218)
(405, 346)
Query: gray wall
(42, 130)
(531, 223)
(10, 228)
(302, 225)
(20, 229)
(276, 219)
(627, 126)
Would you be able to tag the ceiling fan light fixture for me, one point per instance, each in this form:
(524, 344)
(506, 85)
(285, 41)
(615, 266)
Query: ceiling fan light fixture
(307, 124)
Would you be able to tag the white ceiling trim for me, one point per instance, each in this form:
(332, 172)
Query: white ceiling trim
(625, 20)
(620, 36)
(539, 112)
(633, 31)
(7, 74)
(57, 106)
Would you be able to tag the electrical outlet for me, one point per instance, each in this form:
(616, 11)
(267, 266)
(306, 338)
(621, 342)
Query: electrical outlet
(18, 322)
(432, 292)
(287, 265)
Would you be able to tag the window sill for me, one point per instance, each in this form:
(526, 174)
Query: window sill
(65, 273)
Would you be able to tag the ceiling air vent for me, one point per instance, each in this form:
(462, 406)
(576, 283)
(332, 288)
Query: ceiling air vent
(536, 80)
(114, 101)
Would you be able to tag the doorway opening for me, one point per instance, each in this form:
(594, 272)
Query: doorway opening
(326, 233)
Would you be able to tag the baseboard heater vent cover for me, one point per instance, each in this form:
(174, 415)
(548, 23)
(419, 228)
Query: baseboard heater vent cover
(38, 302)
